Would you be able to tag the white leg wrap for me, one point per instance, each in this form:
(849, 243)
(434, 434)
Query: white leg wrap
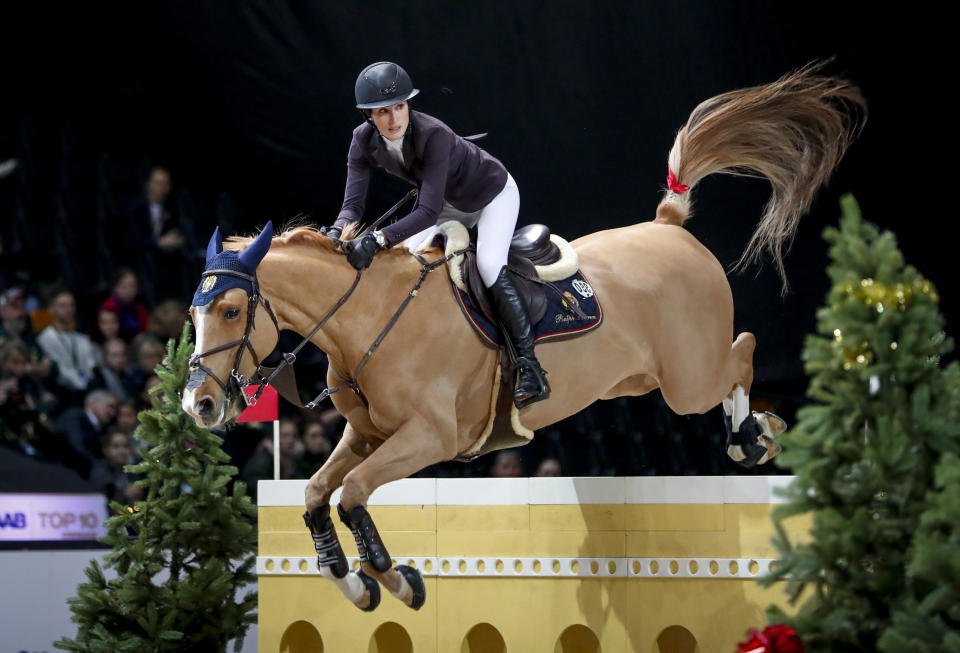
(737, 407)
(350, 585)
(405, 593)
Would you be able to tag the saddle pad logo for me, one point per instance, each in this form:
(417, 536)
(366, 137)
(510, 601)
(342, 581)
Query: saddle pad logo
(582, 287)
(569, 300)
(208, 283)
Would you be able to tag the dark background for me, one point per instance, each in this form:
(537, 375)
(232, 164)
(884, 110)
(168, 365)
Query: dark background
(581, 101)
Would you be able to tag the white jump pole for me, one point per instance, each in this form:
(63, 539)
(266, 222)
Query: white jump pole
(276, 449)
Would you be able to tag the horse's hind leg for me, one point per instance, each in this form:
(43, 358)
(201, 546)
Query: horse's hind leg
(749, 435)
(358, 587)
(411, 448)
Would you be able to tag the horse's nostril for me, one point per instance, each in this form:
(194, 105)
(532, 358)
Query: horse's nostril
(205, 406)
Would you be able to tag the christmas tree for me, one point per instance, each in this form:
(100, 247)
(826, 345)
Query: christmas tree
(864, 453)
(928, 619)
(183, 553)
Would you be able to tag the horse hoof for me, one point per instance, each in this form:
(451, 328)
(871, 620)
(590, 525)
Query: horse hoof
(753, 444)
(373, 589)
(415, 579)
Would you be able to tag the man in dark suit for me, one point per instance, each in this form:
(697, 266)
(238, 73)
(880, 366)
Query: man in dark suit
(84, 428)
(152, 238)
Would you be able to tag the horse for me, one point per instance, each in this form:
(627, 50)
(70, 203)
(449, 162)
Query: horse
(423, 397)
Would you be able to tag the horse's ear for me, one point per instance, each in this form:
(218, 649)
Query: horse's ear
(254, 253)
(215, 246)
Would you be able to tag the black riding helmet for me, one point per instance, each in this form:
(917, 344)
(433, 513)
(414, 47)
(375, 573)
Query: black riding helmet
(382, 84)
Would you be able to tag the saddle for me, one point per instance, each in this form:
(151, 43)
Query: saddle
(536, 258)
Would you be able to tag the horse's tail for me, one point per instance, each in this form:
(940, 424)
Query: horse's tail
(793, 132)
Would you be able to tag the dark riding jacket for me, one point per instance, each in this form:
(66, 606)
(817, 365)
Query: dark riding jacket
(442, 164)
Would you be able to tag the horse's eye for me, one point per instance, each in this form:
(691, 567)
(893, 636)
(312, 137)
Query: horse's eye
(231, 313)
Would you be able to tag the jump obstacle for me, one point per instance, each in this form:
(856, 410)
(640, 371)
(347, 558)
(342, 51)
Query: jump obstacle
(551, 565)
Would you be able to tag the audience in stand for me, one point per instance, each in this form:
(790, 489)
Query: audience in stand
(127, 412)
(15, 325)
(260, 465)
(549, 467)
(112, 372)
(73, 352)
(107, 474)
(148, 352)
(507, 464)
(25, 406)
(83, 428)
(153, 239)
(132, 316)
(316, 449)
(166, 320)
(108, 327)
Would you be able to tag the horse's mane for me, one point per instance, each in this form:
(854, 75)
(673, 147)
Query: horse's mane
(309, 236)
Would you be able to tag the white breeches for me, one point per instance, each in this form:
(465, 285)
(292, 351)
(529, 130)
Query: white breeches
(495, 225)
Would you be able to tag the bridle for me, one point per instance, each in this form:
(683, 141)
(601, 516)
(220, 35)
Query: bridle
(255, 299)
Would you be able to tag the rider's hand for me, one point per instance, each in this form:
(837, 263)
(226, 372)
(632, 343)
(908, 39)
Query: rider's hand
(360, 251)
(333, 233)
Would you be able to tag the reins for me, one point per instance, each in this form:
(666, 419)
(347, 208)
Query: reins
(290, 358)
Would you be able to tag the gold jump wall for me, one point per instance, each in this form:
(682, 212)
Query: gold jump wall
(646, 564)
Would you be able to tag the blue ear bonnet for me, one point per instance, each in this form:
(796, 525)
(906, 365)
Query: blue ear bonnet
(245, 262)
(214, 284)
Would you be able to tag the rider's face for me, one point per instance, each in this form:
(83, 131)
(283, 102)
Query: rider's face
(392, 121)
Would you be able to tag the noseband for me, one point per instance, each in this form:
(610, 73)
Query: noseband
(243, 343)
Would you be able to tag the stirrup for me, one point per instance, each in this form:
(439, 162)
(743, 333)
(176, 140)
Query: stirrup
(522, 399)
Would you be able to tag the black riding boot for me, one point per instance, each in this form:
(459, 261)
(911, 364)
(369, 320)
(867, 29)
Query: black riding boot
(531, 383)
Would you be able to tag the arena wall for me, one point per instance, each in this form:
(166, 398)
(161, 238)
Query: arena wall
(649, 564)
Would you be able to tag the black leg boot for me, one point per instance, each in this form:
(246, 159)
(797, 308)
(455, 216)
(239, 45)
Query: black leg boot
(531, 385)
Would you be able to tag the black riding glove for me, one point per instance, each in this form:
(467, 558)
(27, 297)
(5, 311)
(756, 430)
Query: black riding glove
(360, 251)
(333, 233)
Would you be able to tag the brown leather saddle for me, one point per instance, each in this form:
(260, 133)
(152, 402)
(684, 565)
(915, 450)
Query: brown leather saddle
(529, 247)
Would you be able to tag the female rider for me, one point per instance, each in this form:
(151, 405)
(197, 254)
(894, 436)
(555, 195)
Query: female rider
(457, 180)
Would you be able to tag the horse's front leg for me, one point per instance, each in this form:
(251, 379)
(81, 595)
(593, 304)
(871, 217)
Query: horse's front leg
(358, 587)
(414, 446)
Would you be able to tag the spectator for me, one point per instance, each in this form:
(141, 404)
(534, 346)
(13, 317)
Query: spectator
(107, 474)
(15, 325)
(131, 315)
(24, 406)
(108, 326)
(148, 353)
(166, 320)
(150, 223)
(112, 373)
(127, 416)
(549, 467)
(507, 464)
(84, 427)
(72, 351)
(153, 239)
(316, 449)
(260, 465)
(146, 400)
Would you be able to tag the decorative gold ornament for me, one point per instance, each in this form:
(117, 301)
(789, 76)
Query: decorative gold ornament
(881, 296)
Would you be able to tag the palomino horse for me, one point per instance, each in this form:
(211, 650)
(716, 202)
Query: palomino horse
(424, 397)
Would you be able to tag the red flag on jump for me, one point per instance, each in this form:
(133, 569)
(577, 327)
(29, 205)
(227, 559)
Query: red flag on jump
(267, 406)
